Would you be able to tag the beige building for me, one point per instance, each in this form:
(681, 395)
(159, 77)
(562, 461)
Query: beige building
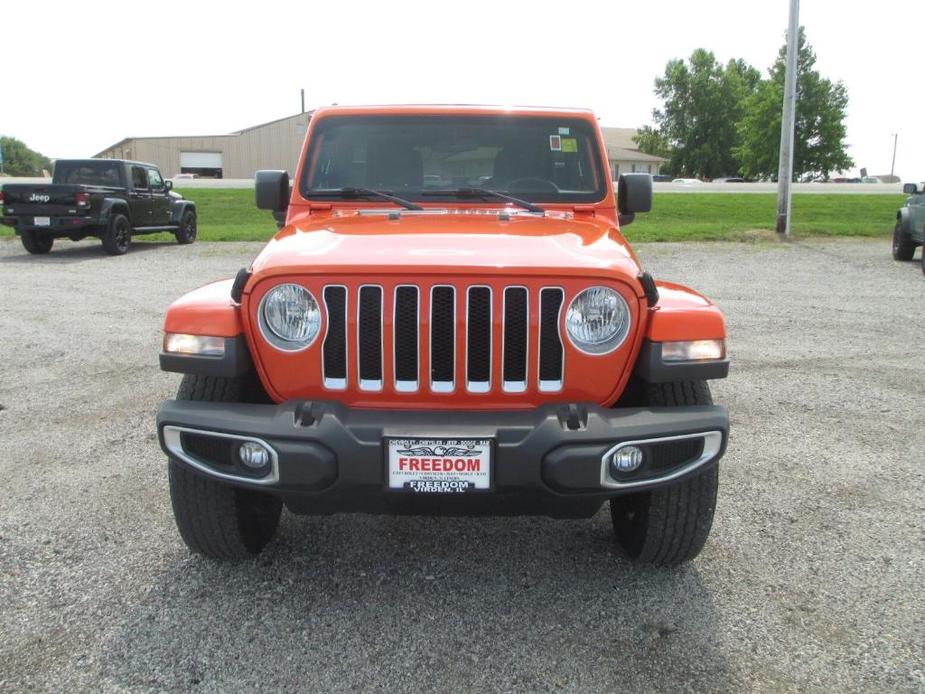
(277, 145)
(624, 154)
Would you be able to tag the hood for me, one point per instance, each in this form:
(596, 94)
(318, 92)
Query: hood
(450, 242)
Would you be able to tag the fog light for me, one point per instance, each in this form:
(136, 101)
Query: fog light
(625, 459)
(253, 455)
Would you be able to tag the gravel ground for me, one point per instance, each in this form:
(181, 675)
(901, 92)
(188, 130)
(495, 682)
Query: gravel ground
(811, 580)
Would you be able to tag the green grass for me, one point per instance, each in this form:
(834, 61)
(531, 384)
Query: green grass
(227, 214)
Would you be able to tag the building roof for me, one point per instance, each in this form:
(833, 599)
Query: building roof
(621, 154)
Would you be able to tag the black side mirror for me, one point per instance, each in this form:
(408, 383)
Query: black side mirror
(910, 188)
(634, 194)
(272, 190)
(168, 185)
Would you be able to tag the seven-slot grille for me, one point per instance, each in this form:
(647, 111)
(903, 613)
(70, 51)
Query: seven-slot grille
(456, 316)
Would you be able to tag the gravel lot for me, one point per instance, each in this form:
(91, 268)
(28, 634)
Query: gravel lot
(812, 578)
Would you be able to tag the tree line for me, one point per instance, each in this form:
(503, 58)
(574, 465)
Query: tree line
(724, 120)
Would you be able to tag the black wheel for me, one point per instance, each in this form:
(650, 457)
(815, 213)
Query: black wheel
(217, 520)
(187, 231)
(118, 235)
(903, 247)
(669, 526)
(36, 244)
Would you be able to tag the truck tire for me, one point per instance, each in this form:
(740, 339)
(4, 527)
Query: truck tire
(118, 235)
(187, 231)
(217, 520)
(669, 526)
(903, 246)
(36, 244)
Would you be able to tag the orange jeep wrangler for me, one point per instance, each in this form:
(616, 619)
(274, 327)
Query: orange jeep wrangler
(449, 322)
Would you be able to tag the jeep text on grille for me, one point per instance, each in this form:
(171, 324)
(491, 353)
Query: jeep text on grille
(448, 321)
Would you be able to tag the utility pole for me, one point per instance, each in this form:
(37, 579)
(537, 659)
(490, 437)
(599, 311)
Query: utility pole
(785, 167)
(893, 165)
(303, 101)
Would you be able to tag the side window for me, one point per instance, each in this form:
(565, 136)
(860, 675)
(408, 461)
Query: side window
(139, 180)
(154, 178)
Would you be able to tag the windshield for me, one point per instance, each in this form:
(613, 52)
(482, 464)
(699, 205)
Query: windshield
(429, 157)
(88, 173)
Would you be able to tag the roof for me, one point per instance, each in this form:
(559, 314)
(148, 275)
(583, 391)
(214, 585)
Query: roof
(461, 109)
(632, 155)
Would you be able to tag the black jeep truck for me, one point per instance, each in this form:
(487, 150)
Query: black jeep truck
(108, 198)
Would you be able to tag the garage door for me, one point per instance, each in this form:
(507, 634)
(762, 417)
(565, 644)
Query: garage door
(200, 160)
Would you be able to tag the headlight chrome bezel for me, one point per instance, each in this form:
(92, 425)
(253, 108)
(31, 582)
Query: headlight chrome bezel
(613, 342)
(272, 336)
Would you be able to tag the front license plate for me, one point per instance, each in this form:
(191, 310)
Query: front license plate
(43, 221)
(439, 466)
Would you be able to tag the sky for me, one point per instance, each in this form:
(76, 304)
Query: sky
(79, 77)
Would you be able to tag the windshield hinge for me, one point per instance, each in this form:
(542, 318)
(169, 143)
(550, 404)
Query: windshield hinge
(320, 206)
(585, 209)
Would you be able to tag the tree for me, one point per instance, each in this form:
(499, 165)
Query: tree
(19, 160)
(702, 102)
(819, 136)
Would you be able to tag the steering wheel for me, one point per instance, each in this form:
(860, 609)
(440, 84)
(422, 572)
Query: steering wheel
(530, 184)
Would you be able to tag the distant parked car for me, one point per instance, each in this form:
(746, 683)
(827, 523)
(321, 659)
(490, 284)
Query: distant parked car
(909, 232)
(184, 176)
(661, 178)
(871, 179)
(729, 179)
(687, 181)
(843, 179)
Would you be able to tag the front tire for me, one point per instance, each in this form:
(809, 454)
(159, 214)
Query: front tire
(215, 519)
(903, 246)
(36, 244)
(187, 231)
(118, 235)
(669, 526)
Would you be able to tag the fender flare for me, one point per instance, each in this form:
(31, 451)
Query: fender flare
(177, 209)
(114, 205)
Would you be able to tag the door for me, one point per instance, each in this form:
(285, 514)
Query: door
(140, 198)
(160, 199)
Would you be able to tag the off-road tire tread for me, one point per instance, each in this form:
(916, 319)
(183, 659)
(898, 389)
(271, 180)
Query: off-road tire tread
(677, 519)
(905, 249)
(36, 245)
(181, 237)
(217, 520)
(108, 238)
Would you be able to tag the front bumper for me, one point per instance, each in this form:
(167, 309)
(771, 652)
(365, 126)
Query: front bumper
(551, 460)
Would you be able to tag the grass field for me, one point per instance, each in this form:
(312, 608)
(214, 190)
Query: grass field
(230, 215)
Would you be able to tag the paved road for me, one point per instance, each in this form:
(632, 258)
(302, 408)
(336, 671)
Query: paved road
(811, 581)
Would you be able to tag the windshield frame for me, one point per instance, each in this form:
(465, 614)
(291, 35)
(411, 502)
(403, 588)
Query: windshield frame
(587, 128)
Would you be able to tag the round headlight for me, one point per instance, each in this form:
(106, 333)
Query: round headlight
(289, 317)
(598, 320)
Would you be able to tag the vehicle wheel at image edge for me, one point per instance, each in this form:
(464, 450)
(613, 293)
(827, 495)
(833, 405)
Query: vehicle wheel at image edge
(187, 231)
(217, 520)
(118, 235)
(36, 244)
(903, 246)
(669, 526)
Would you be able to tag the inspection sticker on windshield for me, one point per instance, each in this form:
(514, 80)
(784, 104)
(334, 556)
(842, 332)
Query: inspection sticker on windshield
(569, 144)
(555, 143)
(439, 466)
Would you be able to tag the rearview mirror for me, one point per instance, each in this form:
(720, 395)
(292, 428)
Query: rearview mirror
(634, 194)
(271, 189)
(910, 189)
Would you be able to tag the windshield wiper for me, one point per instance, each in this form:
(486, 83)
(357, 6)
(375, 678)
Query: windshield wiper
(486, 193)
(366, 193)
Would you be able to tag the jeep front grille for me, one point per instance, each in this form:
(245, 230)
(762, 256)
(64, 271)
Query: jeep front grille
(466, 341)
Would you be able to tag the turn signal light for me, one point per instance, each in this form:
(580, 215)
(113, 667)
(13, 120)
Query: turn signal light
(202, 345)
(82, 199)
(2, 197)
(694, 350)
